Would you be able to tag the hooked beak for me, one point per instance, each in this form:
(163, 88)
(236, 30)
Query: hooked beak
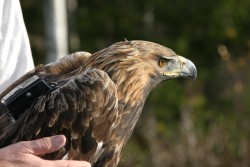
(182, 68)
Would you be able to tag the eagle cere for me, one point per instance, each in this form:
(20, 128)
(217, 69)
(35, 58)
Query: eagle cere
(95, 100)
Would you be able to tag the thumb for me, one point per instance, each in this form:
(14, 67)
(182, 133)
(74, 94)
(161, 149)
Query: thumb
(43, 145)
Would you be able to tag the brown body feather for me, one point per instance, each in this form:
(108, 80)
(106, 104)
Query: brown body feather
(96, 103)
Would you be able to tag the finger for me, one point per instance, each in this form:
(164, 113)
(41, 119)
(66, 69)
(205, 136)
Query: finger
(43, 145)
(65, 163)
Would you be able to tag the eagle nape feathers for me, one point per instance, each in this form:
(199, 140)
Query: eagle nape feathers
(95, 100)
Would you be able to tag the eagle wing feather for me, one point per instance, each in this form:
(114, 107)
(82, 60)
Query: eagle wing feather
(83, 109)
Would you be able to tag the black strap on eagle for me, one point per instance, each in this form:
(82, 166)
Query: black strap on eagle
(18, 100)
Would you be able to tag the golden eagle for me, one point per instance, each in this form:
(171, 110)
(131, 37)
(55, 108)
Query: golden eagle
(94, 100)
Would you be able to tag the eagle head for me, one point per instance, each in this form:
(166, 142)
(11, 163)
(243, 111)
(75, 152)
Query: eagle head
(158, 62)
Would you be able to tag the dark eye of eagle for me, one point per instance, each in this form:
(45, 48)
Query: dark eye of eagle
(162, 62)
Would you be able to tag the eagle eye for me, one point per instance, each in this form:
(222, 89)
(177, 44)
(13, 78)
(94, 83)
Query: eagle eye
(162, 62)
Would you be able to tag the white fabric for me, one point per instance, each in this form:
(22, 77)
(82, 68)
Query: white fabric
(15, 52)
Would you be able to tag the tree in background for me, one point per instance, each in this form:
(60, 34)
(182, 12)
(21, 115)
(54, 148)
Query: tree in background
(205, 123)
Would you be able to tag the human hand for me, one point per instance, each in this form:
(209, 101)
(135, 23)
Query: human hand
(24, 154)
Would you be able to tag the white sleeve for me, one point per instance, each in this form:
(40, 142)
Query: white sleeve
(15, 52)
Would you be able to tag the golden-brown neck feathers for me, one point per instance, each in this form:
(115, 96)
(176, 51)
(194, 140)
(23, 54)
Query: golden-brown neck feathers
(130, 64)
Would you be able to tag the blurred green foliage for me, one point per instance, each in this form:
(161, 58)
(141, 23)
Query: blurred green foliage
(203, 124)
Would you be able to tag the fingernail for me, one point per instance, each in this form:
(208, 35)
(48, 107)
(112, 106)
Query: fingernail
(58, 140)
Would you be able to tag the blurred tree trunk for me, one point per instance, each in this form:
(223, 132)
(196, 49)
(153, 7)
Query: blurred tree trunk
(74, 39)
(188, 127)
(148, 128)
(55, 14)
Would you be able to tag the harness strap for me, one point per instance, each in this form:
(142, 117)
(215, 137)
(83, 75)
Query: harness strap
(24, 95)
